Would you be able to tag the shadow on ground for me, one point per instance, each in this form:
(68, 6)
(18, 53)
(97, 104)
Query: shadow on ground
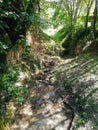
(77, 80)
(79, 77)
(43, 107)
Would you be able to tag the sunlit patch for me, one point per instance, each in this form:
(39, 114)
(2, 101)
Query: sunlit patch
(23, 125)
(23, 75)
(51, 31)
(18, 84)
(27, 110)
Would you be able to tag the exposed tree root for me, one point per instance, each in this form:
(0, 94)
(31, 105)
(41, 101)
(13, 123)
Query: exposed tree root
(70, 107)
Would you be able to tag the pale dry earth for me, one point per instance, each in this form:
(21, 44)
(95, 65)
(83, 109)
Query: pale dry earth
(62, 87)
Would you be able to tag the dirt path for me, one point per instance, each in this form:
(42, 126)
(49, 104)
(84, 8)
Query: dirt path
(64, 95)
(44, 107)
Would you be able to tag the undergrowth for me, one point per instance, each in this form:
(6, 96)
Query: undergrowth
(9, 92)
(83, 106)
(79, 37)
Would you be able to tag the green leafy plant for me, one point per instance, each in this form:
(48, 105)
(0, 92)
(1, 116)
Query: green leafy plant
(79, 36)
(8, 91)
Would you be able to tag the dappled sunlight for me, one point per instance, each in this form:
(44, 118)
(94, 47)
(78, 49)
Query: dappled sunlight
(49, 65)
(43, 107)
(26, 110)
(80, 79)
(62, 95)
(23, 76)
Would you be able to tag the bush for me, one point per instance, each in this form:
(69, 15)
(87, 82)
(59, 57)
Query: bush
(61, 34)
(8, 91)
(80, 36)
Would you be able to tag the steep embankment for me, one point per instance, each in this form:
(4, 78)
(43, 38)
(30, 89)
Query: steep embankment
(62, 96)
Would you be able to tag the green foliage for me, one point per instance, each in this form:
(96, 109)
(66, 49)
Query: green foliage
(83, 105)
(61, 34)
(30, 59)
(2, 124)
(80, 36)
(4, 45)
(15, 19)
(72, 17)
(8, 91)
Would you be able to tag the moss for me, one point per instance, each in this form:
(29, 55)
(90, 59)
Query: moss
(3, 124)
(80, 36)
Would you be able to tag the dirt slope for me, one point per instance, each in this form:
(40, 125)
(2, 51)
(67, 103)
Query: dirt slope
(63, 96)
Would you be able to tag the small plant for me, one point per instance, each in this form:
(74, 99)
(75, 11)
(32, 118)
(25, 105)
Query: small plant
(8, 91)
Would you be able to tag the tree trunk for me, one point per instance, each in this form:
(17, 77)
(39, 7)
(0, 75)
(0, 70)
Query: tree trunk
(95, 18)
(88, 11)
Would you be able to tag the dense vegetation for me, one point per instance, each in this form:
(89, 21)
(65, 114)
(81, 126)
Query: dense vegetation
(16, 17)
(75, 24)
(79, 20)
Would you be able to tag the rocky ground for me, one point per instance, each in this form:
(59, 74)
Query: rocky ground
(63, 96)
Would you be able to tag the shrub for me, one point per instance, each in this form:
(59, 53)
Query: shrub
(8, 91)
(80, 36)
